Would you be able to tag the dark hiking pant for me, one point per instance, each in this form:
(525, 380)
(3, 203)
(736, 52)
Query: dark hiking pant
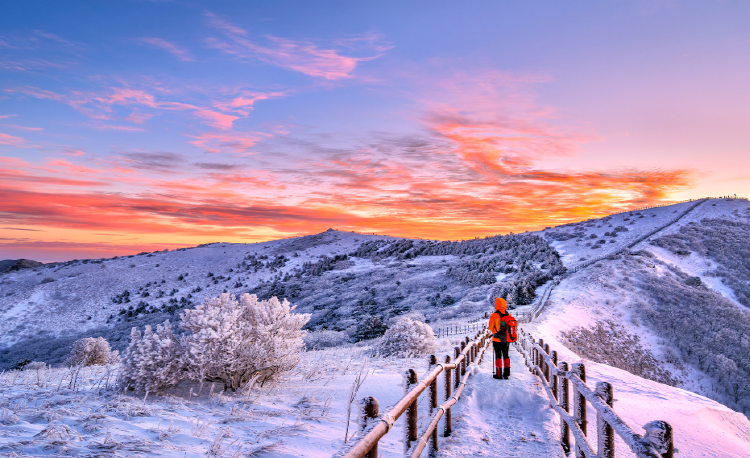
(502, 359)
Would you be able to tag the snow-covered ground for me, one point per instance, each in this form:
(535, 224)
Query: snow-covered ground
(305, 414)
(589, 234)
(302, 416)
(77, 296)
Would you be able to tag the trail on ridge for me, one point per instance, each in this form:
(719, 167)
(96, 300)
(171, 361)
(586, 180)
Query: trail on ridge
(509, 418)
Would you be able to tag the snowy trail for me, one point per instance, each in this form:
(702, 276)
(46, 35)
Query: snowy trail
(509, 418)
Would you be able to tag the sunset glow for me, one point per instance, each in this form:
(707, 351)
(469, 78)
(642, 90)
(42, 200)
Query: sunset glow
(148, 125)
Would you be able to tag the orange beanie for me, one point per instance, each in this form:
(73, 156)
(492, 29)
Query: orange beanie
(500, 304)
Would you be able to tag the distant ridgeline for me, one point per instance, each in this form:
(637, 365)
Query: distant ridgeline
(11, 265)
(354, 294)
(440, 280)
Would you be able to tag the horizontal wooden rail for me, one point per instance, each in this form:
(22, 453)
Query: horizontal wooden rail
(424, 440)
(383, 423)
(658, 441)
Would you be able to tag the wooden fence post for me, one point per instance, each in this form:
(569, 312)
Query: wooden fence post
(605, 435)
(411, 411)
(563, 403)
(546, 365)
(463, 361)
(659, 434)
(553, 356)
(371, 410)
(457, 353)
(532, 352)
(433, 400)
(579, 404)
(448, 382)
(540, 362)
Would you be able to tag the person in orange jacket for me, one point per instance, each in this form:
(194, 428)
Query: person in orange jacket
(498, 327)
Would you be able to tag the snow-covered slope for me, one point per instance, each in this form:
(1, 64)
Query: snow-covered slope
(670, 308)
(667, 309)
(78, 294)
(350, 283)
(594, 238)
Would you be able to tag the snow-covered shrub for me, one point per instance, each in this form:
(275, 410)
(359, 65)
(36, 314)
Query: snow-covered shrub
(153, 361)
(416, 316)
(369, 327)
(405, 338)
(235, 342)
(596, 343)
(90, 351)
(707, 329)
(325, 339)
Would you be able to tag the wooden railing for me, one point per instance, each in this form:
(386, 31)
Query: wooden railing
(376, 425)
(556, 379)
(463, 328)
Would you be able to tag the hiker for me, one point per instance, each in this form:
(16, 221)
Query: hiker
(503, 328)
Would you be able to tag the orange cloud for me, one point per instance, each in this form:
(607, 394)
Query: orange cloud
(476, 167)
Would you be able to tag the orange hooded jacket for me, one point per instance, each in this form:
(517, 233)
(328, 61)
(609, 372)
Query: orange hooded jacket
(497, 322)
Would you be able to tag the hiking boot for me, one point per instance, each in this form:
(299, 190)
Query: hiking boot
(497, 377)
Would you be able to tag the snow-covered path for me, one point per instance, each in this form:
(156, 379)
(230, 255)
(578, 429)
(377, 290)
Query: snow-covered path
(509, 418)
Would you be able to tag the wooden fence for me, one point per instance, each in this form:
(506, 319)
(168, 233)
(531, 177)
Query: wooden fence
(376, 425)
(556, 379)
(638, 240)
(463, 328)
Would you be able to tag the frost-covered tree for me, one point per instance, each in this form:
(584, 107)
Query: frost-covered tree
(153, 361)
(369, 327)
(407, 337)
(91, 351)
(235, 342)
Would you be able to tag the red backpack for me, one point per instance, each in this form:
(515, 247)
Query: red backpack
(510, 328)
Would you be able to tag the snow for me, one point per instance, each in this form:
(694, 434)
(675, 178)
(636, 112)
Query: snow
(574, 252)
(80, 290)
(304, 415)
(701, 427)
(509, 418)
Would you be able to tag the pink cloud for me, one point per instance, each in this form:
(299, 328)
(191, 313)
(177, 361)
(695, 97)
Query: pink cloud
(10, 140)
(15, 126)
(6, 116)
(244, 103)
(102, 126)
(70, 167)
(101, 106)
(31, 64)
(171, 48)
(302, 56)
(214, 142)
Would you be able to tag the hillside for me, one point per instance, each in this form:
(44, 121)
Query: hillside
(350, 283)
(659, 309)
(674, 305)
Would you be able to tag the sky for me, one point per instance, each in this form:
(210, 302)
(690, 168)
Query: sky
(140, 125)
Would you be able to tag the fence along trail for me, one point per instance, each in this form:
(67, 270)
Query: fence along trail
(509, 417)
